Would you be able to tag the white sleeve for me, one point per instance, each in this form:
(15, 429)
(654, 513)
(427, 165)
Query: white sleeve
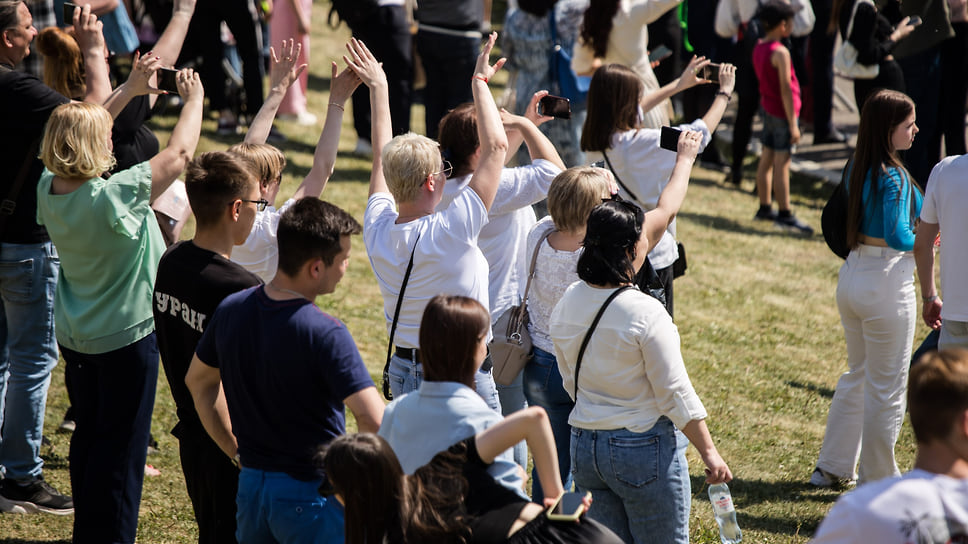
(523, 186)
(804, 19)
(666, 371)
(840, 526)
(377, 206)
(648, 11)
(465, 217)
(727, 18)
(929, 207)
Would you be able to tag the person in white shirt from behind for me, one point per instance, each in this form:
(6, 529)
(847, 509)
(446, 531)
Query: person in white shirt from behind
(929, 504)
(503, 238)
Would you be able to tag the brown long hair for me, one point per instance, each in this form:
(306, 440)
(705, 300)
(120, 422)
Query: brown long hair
(834, 25)
(596, 26)
(63, 63)
(882, 113)
(450, 330)
(613, 105)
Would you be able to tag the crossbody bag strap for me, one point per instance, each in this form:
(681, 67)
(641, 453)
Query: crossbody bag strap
(853, 13)
(591, 329)
(619, 180)
(534, 260)
(393, 326)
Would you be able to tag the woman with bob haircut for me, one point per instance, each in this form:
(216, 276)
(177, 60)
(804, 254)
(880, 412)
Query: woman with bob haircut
(634, 403)
(614, 132)
(109, 245)
(446, 409)
(875, 297)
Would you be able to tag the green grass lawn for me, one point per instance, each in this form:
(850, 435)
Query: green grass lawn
(760, 332)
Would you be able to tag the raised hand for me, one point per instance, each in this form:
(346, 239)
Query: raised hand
(141, 71)
(484, 70)
(689, 142)
(691, 76)
(727, 78)
(284, 68)
(189, 85)
(362, 61)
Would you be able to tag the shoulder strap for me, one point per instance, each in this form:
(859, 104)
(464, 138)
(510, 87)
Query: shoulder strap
(534, 260)
(619, 180)
(591, 329)
(853, 13)
(551, 22)
(393, 326)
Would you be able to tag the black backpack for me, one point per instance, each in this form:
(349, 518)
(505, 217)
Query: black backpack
(354, 13)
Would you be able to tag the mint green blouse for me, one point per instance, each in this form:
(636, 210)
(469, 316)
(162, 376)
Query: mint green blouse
(109, 245)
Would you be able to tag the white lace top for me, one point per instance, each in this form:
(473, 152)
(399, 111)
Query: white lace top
(553, 273)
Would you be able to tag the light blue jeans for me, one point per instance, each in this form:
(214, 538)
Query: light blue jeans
(512, 400)
(406, 376)
(639, 481)
(275, 507)
(28, 353)
(542, 387)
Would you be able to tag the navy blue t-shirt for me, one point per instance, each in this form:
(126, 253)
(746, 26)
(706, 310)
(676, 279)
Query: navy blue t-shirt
(286, 367)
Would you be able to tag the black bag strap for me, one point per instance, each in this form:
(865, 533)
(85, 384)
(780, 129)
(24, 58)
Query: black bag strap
(387, 394)
(534, 260)
(619, 180)
(591, 329)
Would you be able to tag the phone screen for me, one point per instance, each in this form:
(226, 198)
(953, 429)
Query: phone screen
(166, 80)
(659, 53)
(914, 20)
(669, 138)
(555, 106)
(569, 505)
(69, 13)
(711, 72)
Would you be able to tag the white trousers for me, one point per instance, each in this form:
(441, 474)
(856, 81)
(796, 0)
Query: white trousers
(875, 296)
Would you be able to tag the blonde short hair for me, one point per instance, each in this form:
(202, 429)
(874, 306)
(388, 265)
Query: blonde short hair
(573, 194)
(269, 161)
(407, 161)
(75, 143)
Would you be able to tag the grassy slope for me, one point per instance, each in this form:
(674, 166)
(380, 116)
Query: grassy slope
(760, 336)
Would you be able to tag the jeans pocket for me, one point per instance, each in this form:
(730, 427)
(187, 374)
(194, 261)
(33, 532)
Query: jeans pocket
(17, 280)
(297, 520)
(398, 376)
(634, 459)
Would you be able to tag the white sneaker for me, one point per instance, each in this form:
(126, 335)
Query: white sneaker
(822, 478)
(363, 149)
(303, 118)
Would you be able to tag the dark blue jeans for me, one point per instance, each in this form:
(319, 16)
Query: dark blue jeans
(113, 395)
(448, 63)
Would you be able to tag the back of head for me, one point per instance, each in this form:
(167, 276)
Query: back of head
(214, 180)
(312, 229)
(573, 194)
(613, 105)
(407, 161)
(63, 63)
(457, 134)
(267, 160)
(613, 230)
(774, 12)
(450, 330)
(75, 143)
(938, 394)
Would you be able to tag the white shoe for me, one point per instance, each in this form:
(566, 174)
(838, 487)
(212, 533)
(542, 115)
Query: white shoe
(822, 478)
(303, 118)
(363, 149)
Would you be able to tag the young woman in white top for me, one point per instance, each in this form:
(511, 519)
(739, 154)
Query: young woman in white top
(634, 403)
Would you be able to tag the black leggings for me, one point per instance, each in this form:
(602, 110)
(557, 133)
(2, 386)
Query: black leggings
(542, 530)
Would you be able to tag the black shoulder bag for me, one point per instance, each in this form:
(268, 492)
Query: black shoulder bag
(387, 394)
(591, 329)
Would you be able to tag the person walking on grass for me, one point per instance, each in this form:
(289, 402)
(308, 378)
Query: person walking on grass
(780, 105)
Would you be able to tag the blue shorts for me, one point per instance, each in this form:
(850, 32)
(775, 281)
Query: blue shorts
(776, 133)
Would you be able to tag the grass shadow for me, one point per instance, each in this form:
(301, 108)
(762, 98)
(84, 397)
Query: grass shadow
(825, 392)
(719, 222)
(24, 541)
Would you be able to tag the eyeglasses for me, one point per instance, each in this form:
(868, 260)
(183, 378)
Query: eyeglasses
(260, 204)
(445, 168)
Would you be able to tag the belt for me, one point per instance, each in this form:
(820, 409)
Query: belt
(413, 355)
(879, 251)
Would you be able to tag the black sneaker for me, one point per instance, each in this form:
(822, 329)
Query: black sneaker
(791, 222)
(33, 497)
(765, 215)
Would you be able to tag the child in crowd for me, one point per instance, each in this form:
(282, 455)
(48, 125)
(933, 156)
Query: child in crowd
(780, 108)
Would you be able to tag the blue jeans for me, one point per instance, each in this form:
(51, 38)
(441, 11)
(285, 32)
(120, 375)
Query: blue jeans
(639, 481)
(406, 376)
(542, 387)
(512, 400)
(28, 353)
(275, 507)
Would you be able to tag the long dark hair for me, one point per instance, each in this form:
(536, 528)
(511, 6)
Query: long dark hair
(834, 25)
(596, 25)
(614, 227)
(450, 330)
(613, 105)
(382, 504)
(883, 111)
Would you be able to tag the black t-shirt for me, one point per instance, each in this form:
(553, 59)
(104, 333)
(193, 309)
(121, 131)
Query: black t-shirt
(191, 283)
(493, 507)
(25, 105)
(134, 143)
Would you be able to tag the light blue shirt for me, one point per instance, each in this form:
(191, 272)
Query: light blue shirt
(426, 422)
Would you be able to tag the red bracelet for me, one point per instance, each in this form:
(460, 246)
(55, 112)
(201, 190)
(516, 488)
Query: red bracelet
(482, 78)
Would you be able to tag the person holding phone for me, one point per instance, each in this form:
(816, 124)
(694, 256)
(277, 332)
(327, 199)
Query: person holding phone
(454, 498)
(614, 132)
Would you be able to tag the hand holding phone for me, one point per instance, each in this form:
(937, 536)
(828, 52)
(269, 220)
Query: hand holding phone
(167, 81)
(660, 53)
(69, 13)
(555, 106)
(569, 506)
(914, 20)
(711, 72)
(669, 139)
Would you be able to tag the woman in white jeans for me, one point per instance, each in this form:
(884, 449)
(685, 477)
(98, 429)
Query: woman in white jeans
(875, 296)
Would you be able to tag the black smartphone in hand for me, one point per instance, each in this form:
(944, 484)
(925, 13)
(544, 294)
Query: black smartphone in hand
(711, 72)
(69, 13)
(555, 106)
(166, 80)
(669, 138)
(914, 20)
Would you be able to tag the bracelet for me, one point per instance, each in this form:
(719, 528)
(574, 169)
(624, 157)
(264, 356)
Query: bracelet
(724, 93)
(237, 461)
(340, 106)
(932, 298)
(482, 78)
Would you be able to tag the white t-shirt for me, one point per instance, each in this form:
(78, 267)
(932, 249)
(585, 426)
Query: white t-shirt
(260, 252)
(644, 168)
(446, 261)
(553, 273)
(509, 220)
(632, 371)
(918, 507)
(946, 204)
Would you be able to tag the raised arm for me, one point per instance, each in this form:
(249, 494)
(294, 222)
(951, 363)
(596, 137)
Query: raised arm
(515, 137)
(532, 425)
(657, 220)
(205, 384)
(171, 161)
(170, 42)
(727, 81)
(90, 38)
(324, 158)
(371, 73)
(490, 131)
(525, 128)
(689, 78)
(283, 71)
(142, 73)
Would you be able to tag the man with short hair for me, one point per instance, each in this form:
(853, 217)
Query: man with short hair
(287, 369)
(928, 505)
(194, 276)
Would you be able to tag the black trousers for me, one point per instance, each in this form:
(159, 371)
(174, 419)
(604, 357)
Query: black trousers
(388, 37)
(212, 481)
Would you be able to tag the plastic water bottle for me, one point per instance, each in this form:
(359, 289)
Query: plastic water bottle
(725, 514)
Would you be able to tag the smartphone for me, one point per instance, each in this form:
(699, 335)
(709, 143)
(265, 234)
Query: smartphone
(555, 106)
(711, 72)
(166, 80)
(69, 13)
(914, 20)
(659, 53)
(669, 138)
(568, 507)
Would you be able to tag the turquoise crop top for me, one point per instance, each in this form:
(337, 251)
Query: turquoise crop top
(893, 219)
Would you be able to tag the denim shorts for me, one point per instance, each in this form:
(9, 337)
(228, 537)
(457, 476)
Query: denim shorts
(776, 133)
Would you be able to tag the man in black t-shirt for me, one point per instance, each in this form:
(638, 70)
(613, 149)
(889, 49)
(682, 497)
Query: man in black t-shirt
(193, 278)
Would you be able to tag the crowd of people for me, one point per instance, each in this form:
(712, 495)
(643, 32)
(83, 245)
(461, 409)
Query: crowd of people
(93, 269)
